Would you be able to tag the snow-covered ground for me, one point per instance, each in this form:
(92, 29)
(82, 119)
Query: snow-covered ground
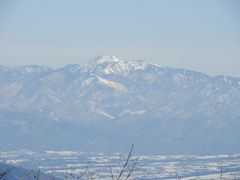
(61, 163)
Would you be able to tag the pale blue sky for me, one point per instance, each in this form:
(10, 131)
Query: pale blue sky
(200, 35)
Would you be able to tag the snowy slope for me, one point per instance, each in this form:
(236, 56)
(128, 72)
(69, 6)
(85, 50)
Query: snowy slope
(10, 172)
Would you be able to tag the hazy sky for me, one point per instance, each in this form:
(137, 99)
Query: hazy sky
(200, 35)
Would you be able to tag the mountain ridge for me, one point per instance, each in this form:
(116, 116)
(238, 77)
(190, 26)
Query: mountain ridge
(101, 60)
(109, 100)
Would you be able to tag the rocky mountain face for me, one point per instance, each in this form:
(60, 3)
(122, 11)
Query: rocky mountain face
(108, 104)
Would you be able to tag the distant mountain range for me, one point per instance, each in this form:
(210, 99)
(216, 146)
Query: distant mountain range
(108, 104)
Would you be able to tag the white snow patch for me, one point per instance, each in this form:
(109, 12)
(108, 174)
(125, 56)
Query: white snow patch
(117, 68)
(129, 112)
(112, 84)
(106, 59)
(137, 65)
(62, 153)
(87, 82)
(100, 111)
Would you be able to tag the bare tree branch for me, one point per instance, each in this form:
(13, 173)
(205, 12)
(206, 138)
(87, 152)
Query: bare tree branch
(126, 163)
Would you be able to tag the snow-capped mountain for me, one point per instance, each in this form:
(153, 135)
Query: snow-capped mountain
(108, 100)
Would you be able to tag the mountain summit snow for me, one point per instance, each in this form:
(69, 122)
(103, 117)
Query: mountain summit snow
(111, 65)
(106, 59)
(108, 100)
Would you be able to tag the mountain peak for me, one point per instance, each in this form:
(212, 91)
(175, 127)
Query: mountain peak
(106, 59)
(149, 100)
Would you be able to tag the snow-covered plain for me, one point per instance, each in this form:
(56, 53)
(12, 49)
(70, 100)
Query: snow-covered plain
(61, 163)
